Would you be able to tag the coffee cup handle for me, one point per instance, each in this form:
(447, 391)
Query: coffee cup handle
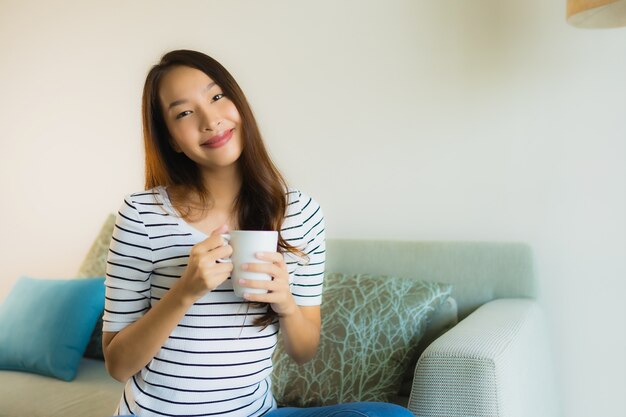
(226, 237)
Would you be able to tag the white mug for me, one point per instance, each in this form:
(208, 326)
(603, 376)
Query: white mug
(246, 244)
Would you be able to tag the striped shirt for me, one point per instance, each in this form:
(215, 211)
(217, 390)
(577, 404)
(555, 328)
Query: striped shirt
(215, 362)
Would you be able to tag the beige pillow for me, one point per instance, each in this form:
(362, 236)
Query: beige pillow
(94, 265)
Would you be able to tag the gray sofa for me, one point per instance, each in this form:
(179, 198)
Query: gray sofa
(494, 362)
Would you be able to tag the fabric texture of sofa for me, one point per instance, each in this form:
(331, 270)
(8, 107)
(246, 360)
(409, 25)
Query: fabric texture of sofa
(494, 362)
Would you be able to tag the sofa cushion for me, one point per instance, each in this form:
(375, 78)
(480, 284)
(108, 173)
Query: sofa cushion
(93, 393)
(371, 327)
(94, 265)
(45, 324)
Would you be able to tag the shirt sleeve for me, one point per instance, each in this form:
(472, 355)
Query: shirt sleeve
(308, 277)
(128, 270)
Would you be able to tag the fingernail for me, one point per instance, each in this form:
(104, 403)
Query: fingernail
(242, 281)
(260, 255)
(244, 266)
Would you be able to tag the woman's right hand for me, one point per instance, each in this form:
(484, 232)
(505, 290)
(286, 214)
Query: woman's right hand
(204, 273)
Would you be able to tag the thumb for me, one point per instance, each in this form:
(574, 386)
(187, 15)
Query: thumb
(212, 242)
(222, 229)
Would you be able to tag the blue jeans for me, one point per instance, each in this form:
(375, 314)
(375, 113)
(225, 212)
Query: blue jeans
(361, 409)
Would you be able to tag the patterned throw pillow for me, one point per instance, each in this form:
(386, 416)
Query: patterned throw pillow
(94, 265)
(371, 327)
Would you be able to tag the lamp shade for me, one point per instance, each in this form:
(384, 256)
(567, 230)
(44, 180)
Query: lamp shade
(596, 13)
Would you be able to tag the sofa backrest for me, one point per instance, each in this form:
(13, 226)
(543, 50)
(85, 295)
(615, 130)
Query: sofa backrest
(479, 271)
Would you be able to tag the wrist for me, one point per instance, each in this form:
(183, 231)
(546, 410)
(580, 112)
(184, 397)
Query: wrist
(178, 294)
(289, 312)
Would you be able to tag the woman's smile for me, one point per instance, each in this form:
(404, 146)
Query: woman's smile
(218, 140)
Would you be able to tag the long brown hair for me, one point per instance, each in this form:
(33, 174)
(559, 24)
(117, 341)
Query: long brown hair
(261, 202)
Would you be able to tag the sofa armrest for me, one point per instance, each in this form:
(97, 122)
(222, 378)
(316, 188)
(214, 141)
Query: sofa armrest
(496, 362)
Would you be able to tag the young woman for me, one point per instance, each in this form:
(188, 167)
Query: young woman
(174, 330)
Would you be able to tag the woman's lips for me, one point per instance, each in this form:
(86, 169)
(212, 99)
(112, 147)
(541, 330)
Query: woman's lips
(219, 140)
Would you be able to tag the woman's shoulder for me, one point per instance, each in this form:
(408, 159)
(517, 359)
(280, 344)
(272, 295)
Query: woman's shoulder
(152, 199)
(145, 194)
(301, 206)
(304, 223)
(292, 195)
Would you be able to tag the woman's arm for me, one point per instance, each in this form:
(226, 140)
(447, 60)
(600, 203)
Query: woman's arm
(129, 350)
(299, 325)
(126, 352)
(301, 333)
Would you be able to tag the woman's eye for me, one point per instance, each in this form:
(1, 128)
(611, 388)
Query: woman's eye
(183, 114)
(218, 96)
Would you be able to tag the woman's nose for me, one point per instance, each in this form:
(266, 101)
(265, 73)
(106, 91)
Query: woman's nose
(210, 120)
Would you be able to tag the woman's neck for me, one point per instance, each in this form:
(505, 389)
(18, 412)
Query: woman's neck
(223, 186)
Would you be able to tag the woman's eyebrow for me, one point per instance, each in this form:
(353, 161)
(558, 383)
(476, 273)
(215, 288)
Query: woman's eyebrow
(182, 101)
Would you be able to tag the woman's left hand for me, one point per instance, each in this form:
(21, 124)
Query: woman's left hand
(278, 296)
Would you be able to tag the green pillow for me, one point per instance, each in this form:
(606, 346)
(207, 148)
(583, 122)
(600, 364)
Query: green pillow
(94, 265)
(45, 324)
(371, 327)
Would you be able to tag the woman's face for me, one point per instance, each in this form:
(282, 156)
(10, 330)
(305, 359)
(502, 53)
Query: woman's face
(203, 123)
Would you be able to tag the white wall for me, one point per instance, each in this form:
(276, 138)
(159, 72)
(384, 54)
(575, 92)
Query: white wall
(482, 120)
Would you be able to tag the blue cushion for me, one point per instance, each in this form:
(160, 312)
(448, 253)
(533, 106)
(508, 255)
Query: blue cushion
(45, 324)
